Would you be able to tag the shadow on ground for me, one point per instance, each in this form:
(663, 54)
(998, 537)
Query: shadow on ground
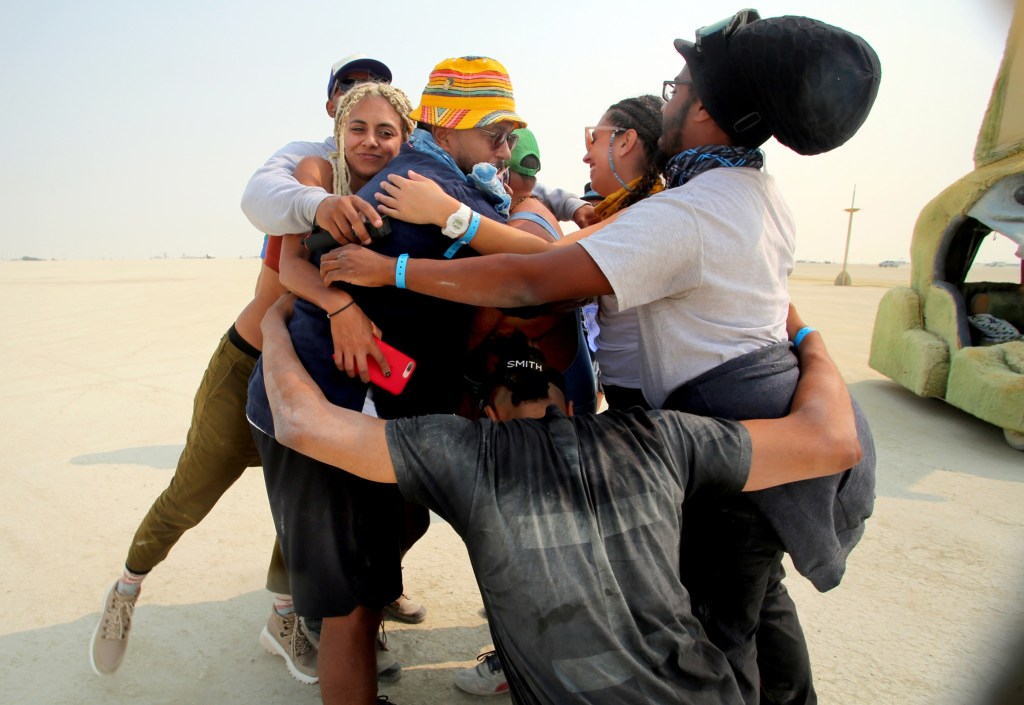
(209, 653)
(930, 427)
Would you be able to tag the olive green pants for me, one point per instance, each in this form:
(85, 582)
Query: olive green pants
(219, 447)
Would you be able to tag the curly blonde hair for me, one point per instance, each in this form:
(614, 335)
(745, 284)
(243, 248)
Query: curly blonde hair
(399, 101)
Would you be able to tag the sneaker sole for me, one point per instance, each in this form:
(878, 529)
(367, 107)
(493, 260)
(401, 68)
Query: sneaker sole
(501, 690)
(269, 643)
(96, 634)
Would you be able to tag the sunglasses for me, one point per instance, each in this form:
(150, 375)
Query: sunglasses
(499, 138)
(726, 28)
(589, 136)
(344, 84)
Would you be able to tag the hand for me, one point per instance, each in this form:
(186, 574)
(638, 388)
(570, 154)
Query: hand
(357, 265)
(585, 216)
(354, 337)
(415, 200)
(344, 217)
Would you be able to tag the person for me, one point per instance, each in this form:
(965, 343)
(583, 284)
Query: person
(218, 448)
(712, 340)
(625, 168)
(556, 331)
(573, 523)
(275, 202)
(342, 537)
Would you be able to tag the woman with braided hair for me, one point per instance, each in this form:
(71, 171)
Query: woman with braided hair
(342, 538)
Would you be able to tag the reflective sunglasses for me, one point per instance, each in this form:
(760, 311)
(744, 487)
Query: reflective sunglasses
(499, 138)
(725, 27)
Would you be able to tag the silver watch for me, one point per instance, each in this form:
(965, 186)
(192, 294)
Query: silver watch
(458, 222)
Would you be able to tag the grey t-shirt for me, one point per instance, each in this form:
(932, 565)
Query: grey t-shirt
(577, 556)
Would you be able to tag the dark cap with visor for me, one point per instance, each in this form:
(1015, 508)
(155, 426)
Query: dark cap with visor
(376, 70)
(809, 84)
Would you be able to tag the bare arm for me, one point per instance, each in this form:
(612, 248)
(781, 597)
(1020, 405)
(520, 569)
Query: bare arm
(819, 436)
(303, 418)
(506, 281)
(419, 200)
(351, 331)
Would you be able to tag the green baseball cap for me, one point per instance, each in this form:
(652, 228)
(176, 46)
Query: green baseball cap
(526, 156)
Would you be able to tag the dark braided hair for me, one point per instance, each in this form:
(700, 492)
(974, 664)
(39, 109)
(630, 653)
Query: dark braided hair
(642, 114)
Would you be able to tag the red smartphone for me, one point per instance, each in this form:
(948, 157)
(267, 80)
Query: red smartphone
(402, 367)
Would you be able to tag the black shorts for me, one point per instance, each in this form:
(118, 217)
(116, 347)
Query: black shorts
(341, 536)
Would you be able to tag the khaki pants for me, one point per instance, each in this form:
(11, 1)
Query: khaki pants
(219, 447)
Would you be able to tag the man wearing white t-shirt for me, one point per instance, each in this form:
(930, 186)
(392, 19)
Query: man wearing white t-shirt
(705, 264)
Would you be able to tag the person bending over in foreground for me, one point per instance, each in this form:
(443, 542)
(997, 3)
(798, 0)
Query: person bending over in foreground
(573, 524)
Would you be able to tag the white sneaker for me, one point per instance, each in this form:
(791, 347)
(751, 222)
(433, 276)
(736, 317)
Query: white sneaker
(110, 638)
(486, 678)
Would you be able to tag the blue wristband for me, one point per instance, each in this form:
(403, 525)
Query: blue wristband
(800, 335)
(474, 224)
(400, 271)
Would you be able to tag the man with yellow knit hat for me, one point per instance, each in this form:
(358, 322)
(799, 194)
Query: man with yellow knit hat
(342, 538)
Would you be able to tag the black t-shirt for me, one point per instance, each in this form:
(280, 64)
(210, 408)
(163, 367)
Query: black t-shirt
(577, 555)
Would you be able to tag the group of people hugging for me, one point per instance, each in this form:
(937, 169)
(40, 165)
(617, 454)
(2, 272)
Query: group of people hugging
(431, 234)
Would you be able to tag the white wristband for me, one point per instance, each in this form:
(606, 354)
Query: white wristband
(458, 222)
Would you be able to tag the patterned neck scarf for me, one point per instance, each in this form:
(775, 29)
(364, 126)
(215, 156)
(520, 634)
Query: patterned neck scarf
(484, 176)
(687, 164)
(613, 203)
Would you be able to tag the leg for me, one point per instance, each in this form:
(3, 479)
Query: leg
(781, 649)
(277, 574)
(348, 660)
(729, 551)
(219, 447)
(217, 450)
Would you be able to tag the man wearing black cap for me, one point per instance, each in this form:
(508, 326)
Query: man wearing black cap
(705, 263)
(572, 523)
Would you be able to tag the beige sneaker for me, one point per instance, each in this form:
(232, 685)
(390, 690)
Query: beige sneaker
(110, 638)
(285, 637)
(405, 610)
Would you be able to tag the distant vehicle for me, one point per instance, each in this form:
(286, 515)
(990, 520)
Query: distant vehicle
(889, 263)
(943, 336)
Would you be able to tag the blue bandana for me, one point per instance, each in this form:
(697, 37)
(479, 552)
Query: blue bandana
(687, 164)
(484, 176)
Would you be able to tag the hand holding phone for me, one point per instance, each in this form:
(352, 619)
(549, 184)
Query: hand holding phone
(402, 367)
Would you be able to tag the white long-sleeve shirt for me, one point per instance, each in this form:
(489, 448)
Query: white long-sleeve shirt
(274, 201)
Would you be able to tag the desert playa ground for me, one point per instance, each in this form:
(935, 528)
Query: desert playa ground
(101, 361)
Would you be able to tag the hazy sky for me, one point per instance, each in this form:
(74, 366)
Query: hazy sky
(129, 129)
